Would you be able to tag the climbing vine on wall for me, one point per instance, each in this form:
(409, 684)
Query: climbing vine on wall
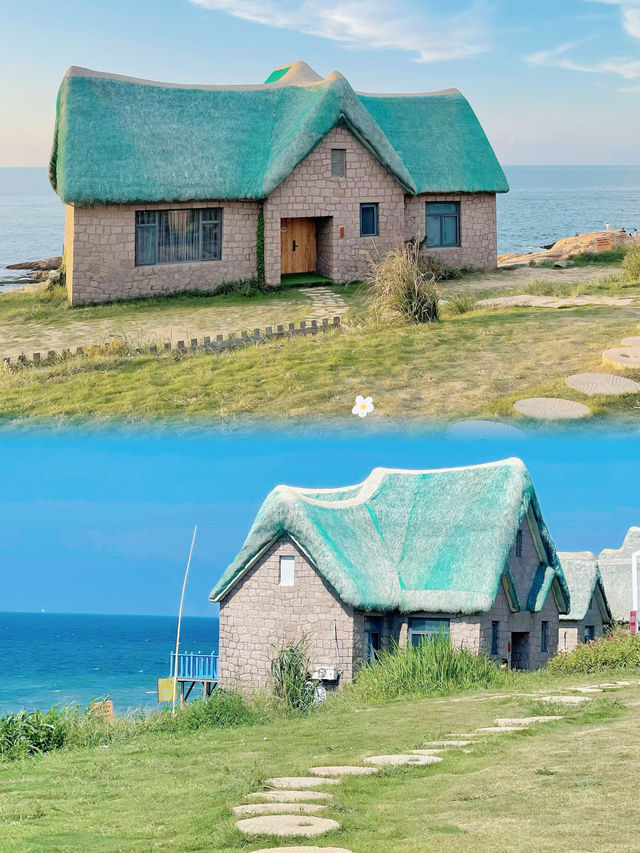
(260, 248)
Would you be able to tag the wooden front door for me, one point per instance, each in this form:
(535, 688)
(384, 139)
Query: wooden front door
(298, 246)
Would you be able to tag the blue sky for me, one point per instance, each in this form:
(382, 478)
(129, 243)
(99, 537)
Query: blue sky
(553, 82)
(102, 522)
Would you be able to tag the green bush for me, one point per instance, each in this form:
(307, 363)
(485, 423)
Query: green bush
(613, 256)
(436, 267)
(461, 303)
(619, 650)
(631, 264)
(290, 676)
(251, 287)
(32, 732)
(432, 668)
(402, 286)
(223, 709)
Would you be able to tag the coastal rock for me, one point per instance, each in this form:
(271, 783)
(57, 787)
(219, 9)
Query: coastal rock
(46, 265)
(563, 249)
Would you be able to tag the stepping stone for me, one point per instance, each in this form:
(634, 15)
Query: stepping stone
(551, 408)
(526, 721)
(343, 770)
(289, 796)
(628, 357)
(298, 783)
(448, 743)
(500, 729)
(301, 826)
(586, 689)
(565, 700)
(602, 383)
(250, 809)
(401, 760)
(633, 341)
(426, 751)
(303, 850)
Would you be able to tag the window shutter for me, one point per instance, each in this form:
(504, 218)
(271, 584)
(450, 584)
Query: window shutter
(338, 162)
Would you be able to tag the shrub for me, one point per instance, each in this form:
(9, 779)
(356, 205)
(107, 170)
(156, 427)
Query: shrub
(461, 303)
(619, 650)
(32, 732)
(223, 709)
(402, 286)
(436, 267)
(432, 668)
(290, 676)
(631, 264)
(587, 258)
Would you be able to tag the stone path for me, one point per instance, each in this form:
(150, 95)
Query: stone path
(291, 809)
(551, 408)
(172, 323)
(608, 384)
(522, 276)
(530, 300)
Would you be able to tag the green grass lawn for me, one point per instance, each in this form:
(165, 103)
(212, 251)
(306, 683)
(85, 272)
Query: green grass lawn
(473, 364)
(563, 786)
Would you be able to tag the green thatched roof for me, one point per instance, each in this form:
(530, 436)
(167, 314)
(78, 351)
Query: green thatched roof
(584, 581)
(615, 568)
(435, 541)
(119, 139)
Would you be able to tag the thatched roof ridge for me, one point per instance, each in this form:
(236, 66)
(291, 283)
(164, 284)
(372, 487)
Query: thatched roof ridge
(124, 140)
(434, 540)
(615, 568)
(584, 580)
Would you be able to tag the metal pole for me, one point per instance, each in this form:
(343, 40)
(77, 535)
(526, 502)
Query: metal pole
(634, 584)
(184, 586)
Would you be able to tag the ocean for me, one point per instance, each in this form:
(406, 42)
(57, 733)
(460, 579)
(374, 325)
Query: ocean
(60, 659)
(545, 204)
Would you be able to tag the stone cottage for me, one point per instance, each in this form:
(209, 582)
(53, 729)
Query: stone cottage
(396, 559)
(589, 613)
(170, 187)
(615, 568)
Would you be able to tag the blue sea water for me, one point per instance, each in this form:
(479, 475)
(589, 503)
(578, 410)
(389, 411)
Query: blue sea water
(545, 204)
(57, 659)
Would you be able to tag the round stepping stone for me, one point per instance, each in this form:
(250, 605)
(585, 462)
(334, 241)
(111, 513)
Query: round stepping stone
(633, 341)
(290, 796)
(448, 743)
(298, 783)
(343, 770)
(526, 721)
(628, 357)
(250, 809)
(426, 751)
(551, 408)
(302, 826)
(402, 760)
(602, 383)
(303, 850)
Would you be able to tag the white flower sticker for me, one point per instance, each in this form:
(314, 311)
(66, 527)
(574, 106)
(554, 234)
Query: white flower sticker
(363, 406)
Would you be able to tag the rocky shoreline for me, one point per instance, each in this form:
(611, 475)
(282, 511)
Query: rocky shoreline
(560, 252)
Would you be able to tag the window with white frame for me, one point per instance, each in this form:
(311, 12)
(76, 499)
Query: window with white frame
(287, 570)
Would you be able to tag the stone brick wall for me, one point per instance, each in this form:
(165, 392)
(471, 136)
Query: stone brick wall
(478, 228)
(100, 252)
(571, 632)
(258, 614)
(310, 191)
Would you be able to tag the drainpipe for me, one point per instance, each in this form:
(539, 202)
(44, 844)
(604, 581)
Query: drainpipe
(633, 622)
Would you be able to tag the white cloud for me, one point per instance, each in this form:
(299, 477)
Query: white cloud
(371, 24)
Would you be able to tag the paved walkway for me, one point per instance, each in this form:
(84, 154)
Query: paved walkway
(522, 276)
(179, 323)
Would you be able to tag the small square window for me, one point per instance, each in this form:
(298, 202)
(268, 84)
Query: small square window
(495, 633)
(368, 220)
(443, 224)
(338, 162)
(544, 637)
(286, 571)
(519, 543)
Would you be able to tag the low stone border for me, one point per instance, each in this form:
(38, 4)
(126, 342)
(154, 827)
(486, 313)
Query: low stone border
(206, 344)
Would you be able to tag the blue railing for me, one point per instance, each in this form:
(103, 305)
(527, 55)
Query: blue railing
(196, 667)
